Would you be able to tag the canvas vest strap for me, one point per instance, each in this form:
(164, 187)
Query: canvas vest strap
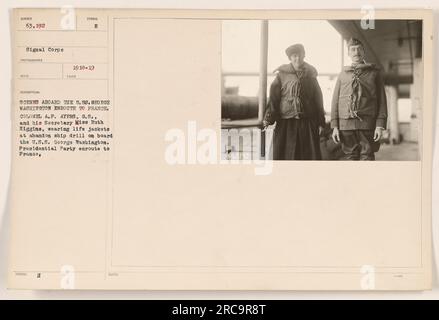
(295, 93)
(355, 97)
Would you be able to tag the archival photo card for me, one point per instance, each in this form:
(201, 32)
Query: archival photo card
(146, 148)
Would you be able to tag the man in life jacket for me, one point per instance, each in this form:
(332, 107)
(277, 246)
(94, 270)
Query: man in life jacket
(359, 106)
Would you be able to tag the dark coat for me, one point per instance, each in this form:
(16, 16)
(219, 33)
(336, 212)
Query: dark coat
(280, 105)
(296, 105)
(359, 100)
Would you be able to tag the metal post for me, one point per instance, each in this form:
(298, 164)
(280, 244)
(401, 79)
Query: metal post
(342, 52)
(263, 56)
(392, 106)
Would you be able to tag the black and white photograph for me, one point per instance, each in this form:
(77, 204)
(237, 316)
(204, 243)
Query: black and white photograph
(321, 89)
(205, 152)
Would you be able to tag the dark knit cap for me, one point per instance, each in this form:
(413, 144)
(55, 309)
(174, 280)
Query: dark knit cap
(295, 48)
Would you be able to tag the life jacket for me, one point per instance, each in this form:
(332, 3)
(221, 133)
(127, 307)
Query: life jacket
(296, 92)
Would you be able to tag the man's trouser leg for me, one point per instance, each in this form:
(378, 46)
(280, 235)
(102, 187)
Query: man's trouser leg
(365, 138)
(350, 145)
